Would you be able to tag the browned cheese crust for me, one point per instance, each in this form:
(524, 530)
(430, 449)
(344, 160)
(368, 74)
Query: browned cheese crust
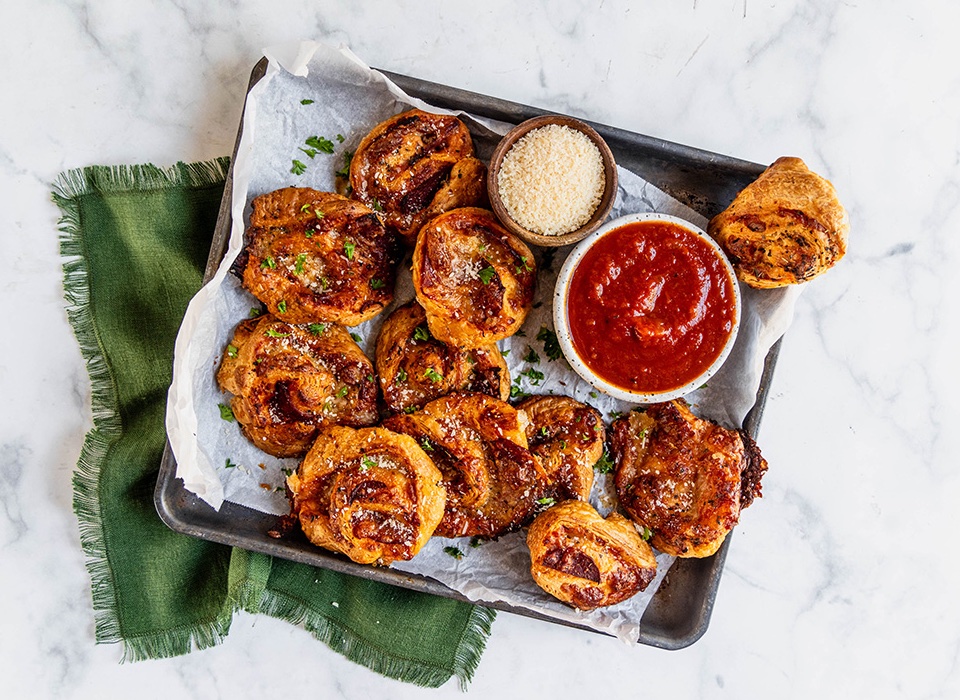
(588, 561)
(568, 437)
(683, 477)
(414, 367)
(475, 279)
(414, 166)
(318, 257)
(478, 442)
(371, 494)
(786, 227)
(289, 380)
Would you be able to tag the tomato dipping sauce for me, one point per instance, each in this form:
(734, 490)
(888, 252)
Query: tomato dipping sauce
(651, 306)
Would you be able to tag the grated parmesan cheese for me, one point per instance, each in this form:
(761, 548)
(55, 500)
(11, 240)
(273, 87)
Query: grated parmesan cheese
(551, 180)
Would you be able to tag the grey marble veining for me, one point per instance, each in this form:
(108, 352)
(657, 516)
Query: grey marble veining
(840, 582)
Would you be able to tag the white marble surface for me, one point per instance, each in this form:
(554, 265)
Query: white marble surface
(839, 582)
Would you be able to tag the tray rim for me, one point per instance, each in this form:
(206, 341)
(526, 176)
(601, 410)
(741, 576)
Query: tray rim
(170, 493)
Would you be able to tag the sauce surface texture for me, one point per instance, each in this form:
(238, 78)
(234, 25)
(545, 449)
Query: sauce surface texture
(650, 306)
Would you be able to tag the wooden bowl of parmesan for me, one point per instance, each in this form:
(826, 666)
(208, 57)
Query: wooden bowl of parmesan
(552, 180)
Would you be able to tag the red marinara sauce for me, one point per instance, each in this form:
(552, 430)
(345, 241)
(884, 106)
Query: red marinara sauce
(650, 306)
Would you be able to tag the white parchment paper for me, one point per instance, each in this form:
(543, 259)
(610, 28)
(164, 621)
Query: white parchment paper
(310, 89)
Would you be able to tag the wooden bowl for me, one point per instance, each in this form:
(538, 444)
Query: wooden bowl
(606, 200)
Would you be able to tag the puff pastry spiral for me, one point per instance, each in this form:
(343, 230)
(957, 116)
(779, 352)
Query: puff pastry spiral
(474, 279)
(683, 477)
(288, 380)
(368, 493)
(478, 442)
(588, 561)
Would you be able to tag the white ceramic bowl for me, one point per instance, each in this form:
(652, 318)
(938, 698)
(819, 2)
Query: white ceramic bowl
(562, 326)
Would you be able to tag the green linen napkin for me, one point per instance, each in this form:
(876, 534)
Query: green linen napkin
(134, 241)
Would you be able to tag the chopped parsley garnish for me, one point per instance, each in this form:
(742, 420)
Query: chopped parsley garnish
(425, 444)
(282, 306)
(563, 444)
(305, 209)
(275, 334)
(320, 143)
(367, 462)
(645, 532)
(357, 338)
(475, 542)
(376, 283)
(226, 412)
(232, 350)
(453, 552)
(594, 394)
(341, 392)
(604, 465)
(255, 311)
(547, 501)
(534, 375)
(551, 345)
(229, 464)
(339, 138)
(471, 360)
(317, 328)
(525, 267)
(504, 352)
(268, 263)
(531, 356)
(486, 274)
(298, 168)
(298, 265)
(402, 374)
(375, 204)
(306, 102)
(348, 248)
(517, 393)
(615, 414)
(411, 409)
(433, 375)
(421, 333)
(311, 152)
(543, 432)
(345, 170)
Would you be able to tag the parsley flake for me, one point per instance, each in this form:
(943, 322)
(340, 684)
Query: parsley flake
(306, 102)
(298, 168)
(645, 532)
(226, 412)
(341, 392)
(402, 374)
(320, 143)
(357, 338)
(547, 501)
(453, 552)
(433, 375)
(268, 263)
(551, 345)
(604, 465)
(486, 274)
(232, 351)
(425, 444)
(377, 283)
(531, 356)
(534, 375)
(255, 311)
(348, 248)
(229, 464)
(367, 462)
(317, 328)
(275, 334)
(298, 265)
(282, 306)
(421, 333)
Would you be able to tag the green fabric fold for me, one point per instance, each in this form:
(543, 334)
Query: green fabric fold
(134, 241)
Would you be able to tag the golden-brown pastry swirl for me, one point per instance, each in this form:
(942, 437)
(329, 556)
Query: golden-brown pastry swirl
(414, 367)
(414, 166)
(786, 227)
(288, 380)
(478, 442)
(370, 493)
(588, 561)
(318, 257)
(683, 477)
(568, 437)
(474, 279)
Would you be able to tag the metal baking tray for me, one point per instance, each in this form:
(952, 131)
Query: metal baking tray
(679, 612)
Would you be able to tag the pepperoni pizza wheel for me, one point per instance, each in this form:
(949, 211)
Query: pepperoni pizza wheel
(474, 279)
(370, 493)
(415, 368)
(289, 380)
(318, 257)
(568, 437)
(588, 561)
(414, 166)
(478, 442)
(683, 477)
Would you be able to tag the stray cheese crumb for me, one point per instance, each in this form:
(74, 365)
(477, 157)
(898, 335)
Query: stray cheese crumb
(551, 180)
